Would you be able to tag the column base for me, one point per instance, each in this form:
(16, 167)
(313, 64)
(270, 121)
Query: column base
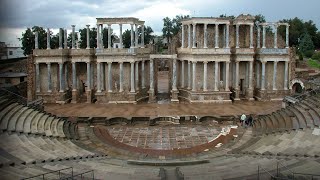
(152, 97)
(89, 96)
(249, 94)
(75, 96)
(174, 96)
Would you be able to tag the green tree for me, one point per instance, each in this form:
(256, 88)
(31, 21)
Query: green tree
(28, 38)
(306, 45)
(92, 40)
(69, 40)
(167, 29)
(126, 38)
(177, 23)
(147, 34)
(105, 37)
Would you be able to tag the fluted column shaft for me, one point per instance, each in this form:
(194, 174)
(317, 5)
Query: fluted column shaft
(263, 36)
(205, 41)
(237, 36)
(237, 76)
(205, 78)
(109, 76)
(251, 36)
(263, 75)
(274, 81)
(227, 35)
(194, 76)
(189, 35)
(142, 75)
(49, 77)
(132, 37)
(182, 36)
(60, 38)
(109, 36)
(98, 36)
(132, 90)
(258, 74)
(287, 36)
(121, 77)
(227, 76)
(136, 36)
(48, 39)
(98, 77)
(285, 85)
(120, 36)
(151, 75)
(258, 37)
(65, 39)
(88, 36)
(73, 36)
(182, 74)
(194, 35)
(36, 40)
(275, 36)
(37, 77)
(137, 75)
(189, 75)
(216, 36)
(88, 76)
(142, 36)
(61, 77)
(174, 75)
(216, 70)
(250, 74)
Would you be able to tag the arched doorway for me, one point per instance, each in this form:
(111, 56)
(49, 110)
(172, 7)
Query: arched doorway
(297, 86)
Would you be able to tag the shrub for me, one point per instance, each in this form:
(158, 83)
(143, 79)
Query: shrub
(316, 56)
(308, 53)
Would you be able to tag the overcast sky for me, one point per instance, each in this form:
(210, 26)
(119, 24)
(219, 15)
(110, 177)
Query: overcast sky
(17, 15)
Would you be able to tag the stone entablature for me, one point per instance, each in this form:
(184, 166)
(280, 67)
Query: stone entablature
(204, 51)
(124, 20)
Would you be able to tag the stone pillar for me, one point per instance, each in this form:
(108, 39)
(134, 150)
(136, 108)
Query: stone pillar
(132, 37)
(101, 36)
(103, 76)
(136, 36)
(88, 77)
(110, 76)
(251, 36)
(182, 73)
(88, 37)
(205, 41)
(37, 77)
(142, 36)
(132, 90)
(151, 75)
(189, 35)
(237, 36)
(285, 85)
(274, 81)
(258, 74)
(66, 77)
(205, 68)
(216, 43)
(250, 74)
(227, 35)
(121, 77)
(48, 39)
(189, 75)
(61, 77)
(276, 36)
(263, 75)
(120, 35)
(237, 76)
(77, 40)
(73, 36)
(263, 36)
(74, 76)
(137, 75)
(216, 71)
(182, 36)
(98, 77)
(36, 40)
(287, 36)
(174, 75)
(98, 36)
(194, 76)
(60, 38)
(49, 78)
(194, 35)
(258, 37)
(109, 36)
(65, 39)
(227, 76)
(142, 75)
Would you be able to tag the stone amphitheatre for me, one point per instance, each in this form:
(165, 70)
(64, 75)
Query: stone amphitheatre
(132, 113)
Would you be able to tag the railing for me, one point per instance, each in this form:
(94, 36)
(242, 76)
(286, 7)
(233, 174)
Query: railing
(294, 174)
(79, 175)
(44, 174)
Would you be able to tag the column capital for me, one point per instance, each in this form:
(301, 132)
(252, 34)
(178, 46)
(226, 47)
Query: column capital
(205, 62)
(120, 62)
(88, 25)
(189, 62)
(194, 24)
(275, 62)
(48, 63)
(98, 62)
(217, 24)
(132, 62)
(194, 62)
(60, 63)
(205, 24)
(264, 62)
(109, 62)
(36, 63)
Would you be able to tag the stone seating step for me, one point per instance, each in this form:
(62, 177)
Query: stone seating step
(60, 126)
(28, 120)
(281, 121)
(47, 125)
(12, 125)
(306, 115)
(5, 104)
(314, 112)
(41, 124)
(6, 110)
(296, 124)
(54, 127)
(9, 116)
(35, 121)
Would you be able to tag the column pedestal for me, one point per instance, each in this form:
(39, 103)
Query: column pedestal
(174, 96)
(75, 96)
(89, 96)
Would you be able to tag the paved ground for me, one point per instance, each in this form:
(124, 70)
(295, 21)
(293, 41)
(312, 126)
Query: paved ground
(147, 110)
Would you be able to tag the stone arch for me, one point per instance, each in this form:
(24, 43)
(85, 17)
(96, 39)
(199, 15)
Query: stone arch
(297, 86)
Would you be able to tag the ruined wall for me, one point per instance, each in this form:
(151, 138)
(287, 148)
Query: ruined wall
(30, 78)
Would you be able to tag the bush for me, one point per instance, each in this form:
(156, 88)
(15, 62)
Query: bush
(316, 56)
(300, 57)
(308, 53)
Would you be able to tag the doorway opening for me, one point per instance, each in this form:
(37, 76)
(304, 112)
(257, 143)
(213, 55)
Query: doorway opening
(163, 81)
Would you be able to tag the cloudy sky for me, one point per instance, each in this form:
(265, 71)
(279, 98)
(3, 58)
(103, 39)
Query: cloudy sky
(17, 15)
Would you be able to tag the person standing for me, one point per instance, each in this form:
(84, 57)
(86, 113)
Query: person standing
(243, 119)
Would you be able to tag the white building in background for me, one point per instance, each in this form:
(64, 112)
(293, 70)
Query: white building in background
(11, 51)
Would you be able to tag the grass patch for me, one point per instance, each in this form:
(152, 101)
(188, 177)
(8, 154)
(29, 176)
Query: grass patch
(314, 63)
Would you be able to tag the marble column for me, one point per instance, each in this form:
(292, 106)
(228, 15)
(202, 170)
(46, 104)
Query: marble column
(237, 36)
(216, 43)
(194, 35)
(227, 35)
(189, 35)
(121, 76)
(101, 37)
(49, 78)
(60, 38)
(137, 75)
(250, 74)
(194, 76)
(276, 36)
(182, 36)
(37, 77)
(247, 75)
(237, 76)
(88, 36)
(132, 37)
(36, 40)
(258, 73)
(189, 75)
(227, 64)
(142, 36)
(142, 75)
(205, 41)
(98, 36)
(73, 37)
(103, 77)
(285, 82)
(120, 36)
(182, 74)
(287, 36)
(151, 76)
(65, 39)
(98, 77)
(66, 77)
(274, 80)
(174, 75)
(132, 90)
(88, 77)
(110, 76)
(77, 40)
(251, 36)
(109, 36)
(263, 75)
(48, 39)
(205, 78)
(216, 79)
(258, 36)
(136, 36)
(263, 36)
(61, 77)
(74, 77)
